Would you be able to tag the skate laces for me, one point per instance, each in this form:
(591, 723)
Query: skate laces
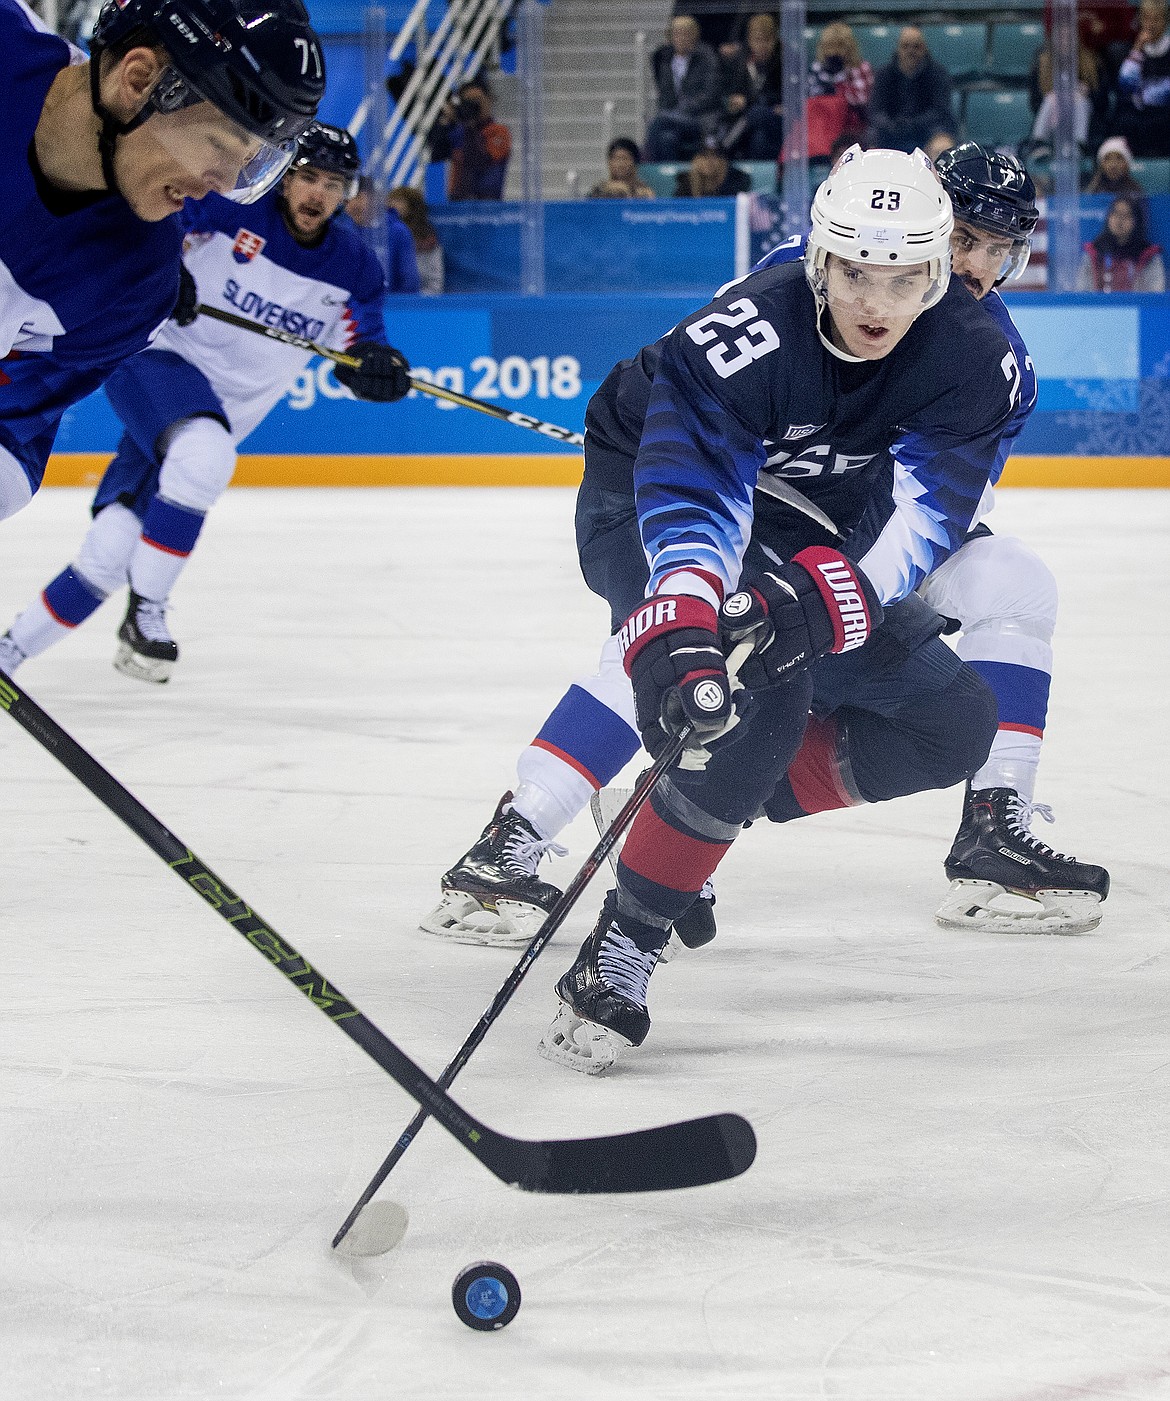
(624, 967)
(151, 620)
(707, 893)
(523, 849)
(1020, 814)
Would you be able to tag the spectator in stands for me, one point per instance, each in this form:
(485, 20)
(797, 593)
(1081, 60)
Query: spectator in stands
(1143, 100)
(711, 175)
(911, 97)
(410, 206)
(476, 147)
(754, 125)
(1121, 258)
(690, 93)
(840, 82)
(1090, 101)
(1113, 175)
(623, 181)
(402, 269)
(723, 28)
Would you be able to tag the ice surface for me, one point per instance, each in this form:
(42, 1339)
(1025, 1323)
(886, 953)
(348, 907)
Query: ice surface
(962, 1190)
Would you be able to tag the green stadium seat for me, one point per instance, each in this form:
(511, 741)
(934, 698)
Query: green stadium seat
(877, 42)
(660, 175)
(1000, 117)
(1152, 175)
(960, 48)
(763, 175)
(1013, 48)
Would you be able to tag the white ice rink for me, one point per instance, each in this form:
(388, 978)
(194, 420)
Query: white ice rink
(962, 1191)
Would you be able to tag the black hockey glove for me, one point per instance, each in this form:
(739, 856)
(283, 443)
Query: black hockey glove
(383, 377)
(818, 602)
(670, 650)
(188, 299)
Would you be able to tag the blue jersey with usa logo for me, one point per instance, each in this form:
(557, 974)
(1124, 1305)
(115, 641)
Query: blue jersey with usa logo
(244, 260)
(901, 452)
(84, 282)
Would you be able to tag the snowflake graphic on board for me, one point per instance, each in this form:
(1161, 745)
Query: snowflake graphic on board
(1109, 427)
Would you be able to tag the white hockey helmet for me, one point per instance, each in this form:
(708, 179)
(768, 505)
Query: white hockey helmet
(881, 209)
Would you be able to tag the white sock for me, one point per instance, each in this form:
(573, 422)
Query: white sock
(1012, 763)
(36, 630)
(153, 571)
(550, 792)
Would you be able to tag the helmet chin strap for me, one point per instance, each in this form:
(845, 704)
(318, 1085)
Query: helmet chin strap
(112, 127)
(826, 341)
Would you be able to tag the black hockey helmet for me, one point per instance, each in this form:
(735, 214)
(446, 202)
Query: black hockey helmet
(991, 191)
(259, 62)
(332, 149)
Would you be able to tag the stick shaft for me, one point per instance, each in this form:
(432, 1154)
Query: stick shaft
(436, 391)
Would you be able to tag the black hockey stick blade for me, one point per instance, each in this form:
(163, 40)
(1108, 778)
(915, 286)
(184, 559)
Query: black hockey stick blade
(695, 1153)
(534, 1165)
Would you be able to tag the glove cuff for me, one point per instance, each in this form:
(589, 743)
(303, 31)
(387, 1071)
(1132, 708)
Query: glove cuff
(843, 591)
(663, 614)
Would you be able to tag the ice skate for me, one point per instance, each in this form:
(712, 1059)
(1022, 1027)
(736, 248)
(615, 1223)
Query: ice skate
(1003, 879)
(146, 649)
(691, 930)
(10, 654)
(603, 999)
(493, 895)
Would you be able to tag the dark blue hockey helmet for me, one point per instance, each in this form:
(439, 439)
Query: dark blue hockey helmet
(332, 149)
(991, 191)
(258, 63)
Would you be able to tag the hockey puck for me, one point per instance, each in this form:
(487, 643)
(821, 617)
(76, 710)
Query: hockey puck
(486, 1296)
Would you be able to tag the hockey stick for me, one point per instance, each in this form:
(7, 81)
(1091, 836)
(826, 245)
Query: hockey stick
(602, 852)
(686, 1154)
(781, 490)
(437, 391)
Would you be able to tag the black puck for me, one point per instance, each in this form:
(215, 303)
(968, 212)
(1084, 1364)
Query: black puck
(486, 1296)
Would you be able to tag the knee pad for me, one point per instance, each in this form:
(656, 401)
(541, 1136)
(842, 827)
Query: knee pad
(996, 586)
(15, 488)
(952, 731)
(198, 462)
(104, 558)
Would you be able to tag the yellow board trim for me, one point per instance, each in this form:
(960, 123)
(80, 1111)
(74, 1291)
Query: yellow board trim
(562, 469)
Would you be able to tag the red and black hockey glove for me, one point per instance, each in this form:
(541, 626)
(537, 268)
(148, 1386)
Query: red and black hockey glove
(670, 649)
(383, 376)
(818, 602)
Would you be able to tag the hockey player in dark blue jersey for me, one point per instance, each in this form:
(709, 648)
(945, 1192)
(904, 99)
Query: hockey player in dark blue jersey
(178, 98)
(833, 374)
(999, 592)
(204, 385)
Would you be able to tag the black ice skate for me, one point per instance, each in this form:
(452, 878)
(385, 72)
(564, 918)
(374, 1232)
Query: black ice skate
(691, 930)
(146, 649)
(995, 858)
(603, 998)
(493, 895)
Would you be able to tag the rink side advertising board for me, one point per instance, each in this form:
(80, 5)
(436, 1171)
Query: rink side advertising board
(1103, 416)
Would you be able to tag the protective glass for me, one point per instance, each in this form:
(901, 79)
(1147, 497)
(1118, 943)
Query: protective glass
(210, 146)
(987, 255)
(881, 292)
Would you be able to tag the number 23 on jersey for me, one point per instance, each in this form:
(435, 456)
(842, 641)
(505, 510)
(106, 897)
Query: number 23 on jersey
(758, 338)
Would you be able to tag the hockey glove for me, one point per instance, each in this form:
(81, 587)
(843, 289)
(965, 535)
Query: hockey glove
(383, 377)
(818, 602)
(670, 650)
(187, 303)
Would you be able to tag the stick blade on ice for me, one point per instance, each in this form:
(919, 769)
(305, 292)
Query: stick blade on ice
(694, 1153)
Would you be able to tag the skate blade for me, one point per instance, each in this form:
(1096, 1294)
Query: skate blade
(461, 919)
(579, 1045)
(131, 663)
(990, 908)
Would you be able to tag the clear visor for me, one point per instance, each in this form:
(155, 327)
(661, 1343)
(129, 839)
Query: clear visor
(884, 293)
(209, 148)
(986, 256)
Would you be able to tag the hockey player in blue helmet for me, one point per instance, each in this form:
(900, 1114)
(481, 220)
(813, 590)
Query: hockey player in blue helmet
(178, 98)
(188, 400)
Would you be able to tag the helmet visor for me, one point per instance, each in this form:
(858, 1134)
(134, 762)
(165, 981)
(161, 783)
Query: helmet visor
(883, 292)
(209, 147)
